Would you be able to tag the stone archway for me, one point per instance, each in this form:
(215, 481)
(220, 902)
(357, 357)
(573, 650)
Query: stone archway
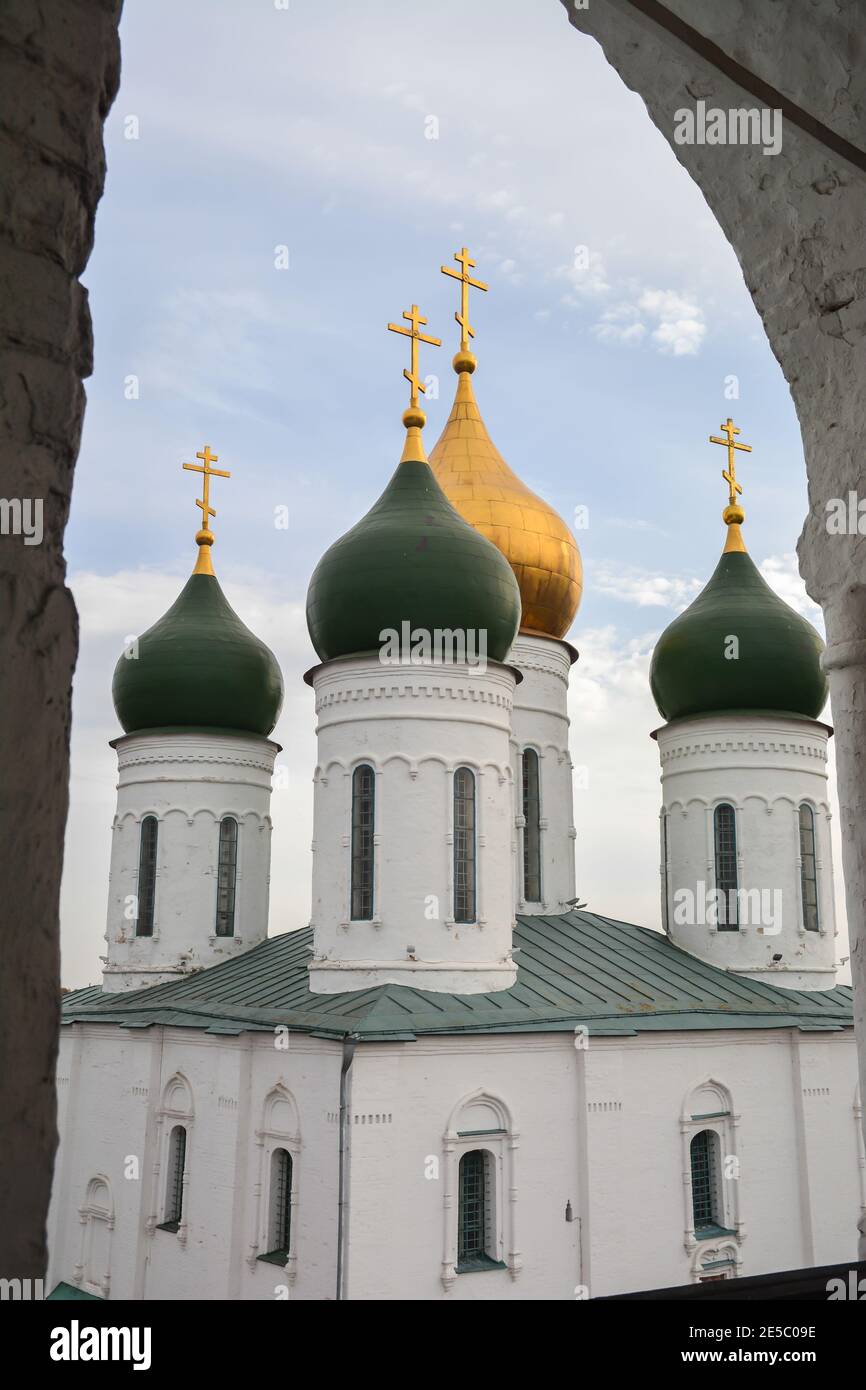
(796, 221)
(59, 70)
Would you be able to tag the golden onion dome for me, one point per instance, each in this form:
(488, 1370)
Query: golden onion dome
(533, 538)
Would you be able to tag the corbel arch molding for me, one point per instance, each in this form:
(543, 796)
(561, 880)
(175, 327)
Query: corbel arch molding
(141, 814)
(280, 1115)
(177, 1099)
(487, 1105)
(229, 813)
(682, 804)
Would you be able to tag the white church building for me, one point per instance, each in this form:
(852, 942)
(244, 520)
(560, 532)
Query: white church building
(455, 1083)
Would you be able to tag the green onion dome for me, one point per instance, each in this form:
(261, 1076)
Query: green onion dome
(775, 663)
(199, 667)
(412, 559)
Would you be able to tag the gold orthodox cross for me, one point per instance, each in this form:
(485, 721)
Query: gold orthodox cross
(415, 336)
(730, 473)
(207, 472)
(466, 264)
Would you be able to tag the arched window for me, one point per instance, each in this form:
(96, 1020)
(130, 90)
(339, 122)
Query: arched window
(227, 872)
(706, 1181)
(464, 845)
(146, 876)
(808, 868)
(479, 1195)
(363, 812)
(174, 1178)
(280, 1216)
(725, 842)
(531, 828)
(475, 1211)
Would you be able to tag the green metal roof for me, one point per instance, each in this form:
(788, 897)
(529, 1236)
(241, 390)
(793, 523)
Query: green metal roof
(411, 559)
(199, 667)
(577, 968)
(778, 661)
(71, 1292)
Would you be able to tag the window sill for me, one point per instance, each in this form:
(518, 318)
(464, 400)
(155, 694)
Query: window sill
(712, 1232)
(173, 1226)
(275, 1257)
(478, 1264)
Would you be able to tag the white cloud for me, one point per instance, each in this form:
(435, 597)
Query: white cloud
(643, 588)
(586, 276)
(679, 323)
(620, 325)
(681, 328)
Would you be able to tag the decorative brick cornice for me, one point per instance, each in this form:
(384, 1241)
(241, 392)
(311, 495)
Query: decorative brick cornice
(721, 747)
(465, 693)
(232, 759)
(549, 666)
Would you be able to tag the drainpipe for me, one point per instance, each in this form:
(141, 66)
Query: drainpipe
(349, 1044)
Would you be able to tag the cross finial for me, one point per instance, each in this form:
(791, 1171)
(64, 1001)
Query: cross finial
(414, 418)
(466, 264)
(204, 536)
(733, 513)
(413, 333)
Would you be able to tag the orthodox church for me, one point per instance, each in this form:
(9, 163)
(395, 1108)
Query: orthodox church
(456, 1082)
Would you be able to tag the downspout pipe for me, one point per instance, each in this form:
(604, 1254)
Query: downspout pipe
(349, 1044)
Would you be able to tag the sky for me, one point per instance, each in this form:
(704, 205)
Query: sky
(283, 180)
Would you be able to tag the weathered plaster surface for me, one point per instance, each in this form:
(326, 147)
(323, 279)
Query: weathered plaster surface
(796, 221)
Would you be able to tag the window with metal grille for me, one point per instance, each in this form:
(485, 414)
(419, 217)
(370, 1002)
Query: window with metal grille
(725, 840)
(706, 1203)
(174, 1178)
(464, 845)
(227, 871)
(531, 828)
(474, 1209)
(363, 811)
(280, 1233)
(146, 876)
(808, 868)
